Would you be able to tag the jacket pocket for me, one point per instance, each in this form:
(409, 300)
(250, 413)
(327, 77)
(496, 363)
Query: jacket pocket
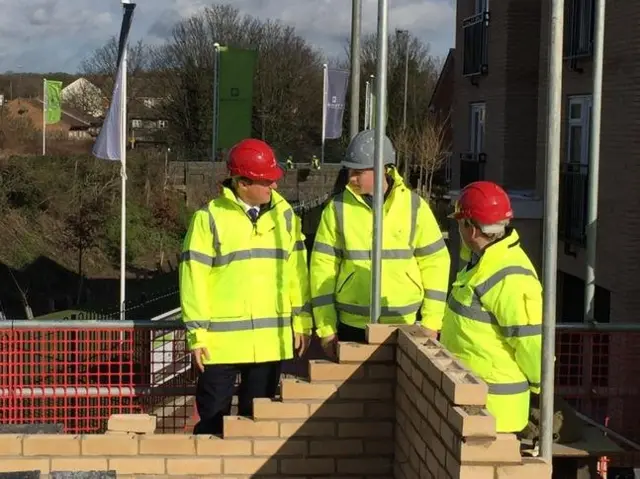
(344, 283)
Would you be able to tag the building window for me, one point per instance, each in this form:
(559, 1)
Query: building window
(579, 17)
(472, 163)
(575, 173)
(475, 51)
(476, 133)
(136, 123)
(162, 124)
(578, 129)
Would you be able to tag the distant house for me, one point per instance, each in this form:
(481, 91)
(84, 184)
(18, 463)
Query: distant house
(73, 124)
(83, 95)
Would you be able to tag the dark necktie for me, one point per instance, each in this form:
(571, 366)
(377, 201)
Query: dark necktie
(253, 214)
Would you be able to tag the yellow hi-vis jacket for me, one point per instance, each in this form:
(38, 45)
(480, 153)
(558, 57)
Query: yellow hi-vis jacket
(415, 262)
(493, 324)
(244, 286)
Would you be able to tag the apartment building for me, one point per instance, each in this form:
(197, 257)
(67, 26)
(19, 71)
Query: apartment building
(499, 133)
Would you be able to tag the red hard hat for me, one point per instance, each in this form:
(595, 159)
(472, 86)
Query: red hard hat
(484, 202)
(255, 160)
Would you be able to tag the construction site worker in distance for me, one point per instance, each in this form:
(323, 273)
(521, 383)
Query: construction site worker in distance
(244, 287)
(493, 320)
(415, 259)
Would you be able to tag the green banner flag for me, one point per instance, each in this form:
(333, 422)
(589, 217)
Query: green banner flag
(235, 94)
(53, 90)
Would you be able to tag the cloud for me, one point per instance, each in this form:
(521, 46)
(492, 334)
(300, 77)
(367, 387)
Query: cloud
(56, 35)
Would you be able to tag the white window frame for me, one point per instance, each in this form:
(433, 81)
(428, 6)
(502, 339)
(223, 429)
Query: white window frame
(136, 123)
(584, 122)
(477, 124)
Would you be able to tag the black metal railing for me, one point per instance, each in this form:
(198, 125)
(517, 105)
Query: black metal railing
(579, 20)
(573, 203)
(475, 50)
(471, 169)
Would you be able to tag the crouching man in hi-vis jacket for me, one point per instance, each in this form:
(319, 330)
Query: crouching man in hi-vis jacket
(415, 259)
(493, 320)
(244, 287)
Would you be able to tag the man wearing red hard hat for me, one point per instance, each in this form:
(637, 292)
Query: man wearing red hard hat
(493, 319)
(244, 287)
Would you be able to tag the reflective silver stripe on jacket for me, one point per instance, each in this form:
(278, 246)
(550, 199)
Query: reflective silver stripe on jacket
(475, 311)
(503, 389)
(393, 311)
(217, 326)
(388, 253)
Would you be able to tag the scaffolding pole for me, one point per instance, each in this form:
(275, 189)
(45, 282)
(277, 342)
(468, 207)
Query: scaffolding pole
(594, 162)
(550, 250)
(378, 194)
(356, 22)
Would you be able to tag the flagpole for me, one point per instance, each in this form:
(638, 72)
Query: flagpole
(123, 177)
(216, 77)
(324, 109)
(44, 116)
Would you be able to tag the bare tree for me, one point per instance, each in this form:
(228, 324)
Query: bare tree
(287, 82)
(101, 65)
(430, 148)
(422, 73)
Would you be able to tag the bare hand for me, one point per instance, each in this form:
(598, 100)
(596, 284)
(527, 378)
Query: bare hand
(431, 333)
(198, 355)
(301, 343)
(330, 346)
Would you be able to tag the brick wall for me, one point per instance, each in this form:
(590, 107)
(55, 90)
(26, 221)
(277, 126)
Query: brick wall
(202, 177)
(340, 421)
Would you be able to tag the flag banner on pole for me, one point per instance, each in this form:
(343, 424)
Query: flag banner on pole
(337, 83)
(53, 107)
(235, 95)
(107, 145)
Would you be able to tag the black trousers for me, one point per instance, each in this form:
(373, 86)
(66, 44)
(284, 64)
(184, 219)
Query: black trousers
(215, 388)
(349, 333)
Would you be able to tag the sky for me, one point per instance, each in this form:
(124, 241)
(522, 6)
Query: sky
(56, 35)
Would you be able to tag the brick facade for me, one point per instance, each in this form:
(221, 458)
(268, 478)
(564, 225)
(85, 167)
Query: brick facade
(342, 421)
(619, 217)
(509, 91)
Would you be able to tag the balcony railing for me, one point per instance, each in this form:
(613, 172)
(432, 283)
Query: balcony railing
(573, 203)
(471, 168)
(579, 30)
(475, 50)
